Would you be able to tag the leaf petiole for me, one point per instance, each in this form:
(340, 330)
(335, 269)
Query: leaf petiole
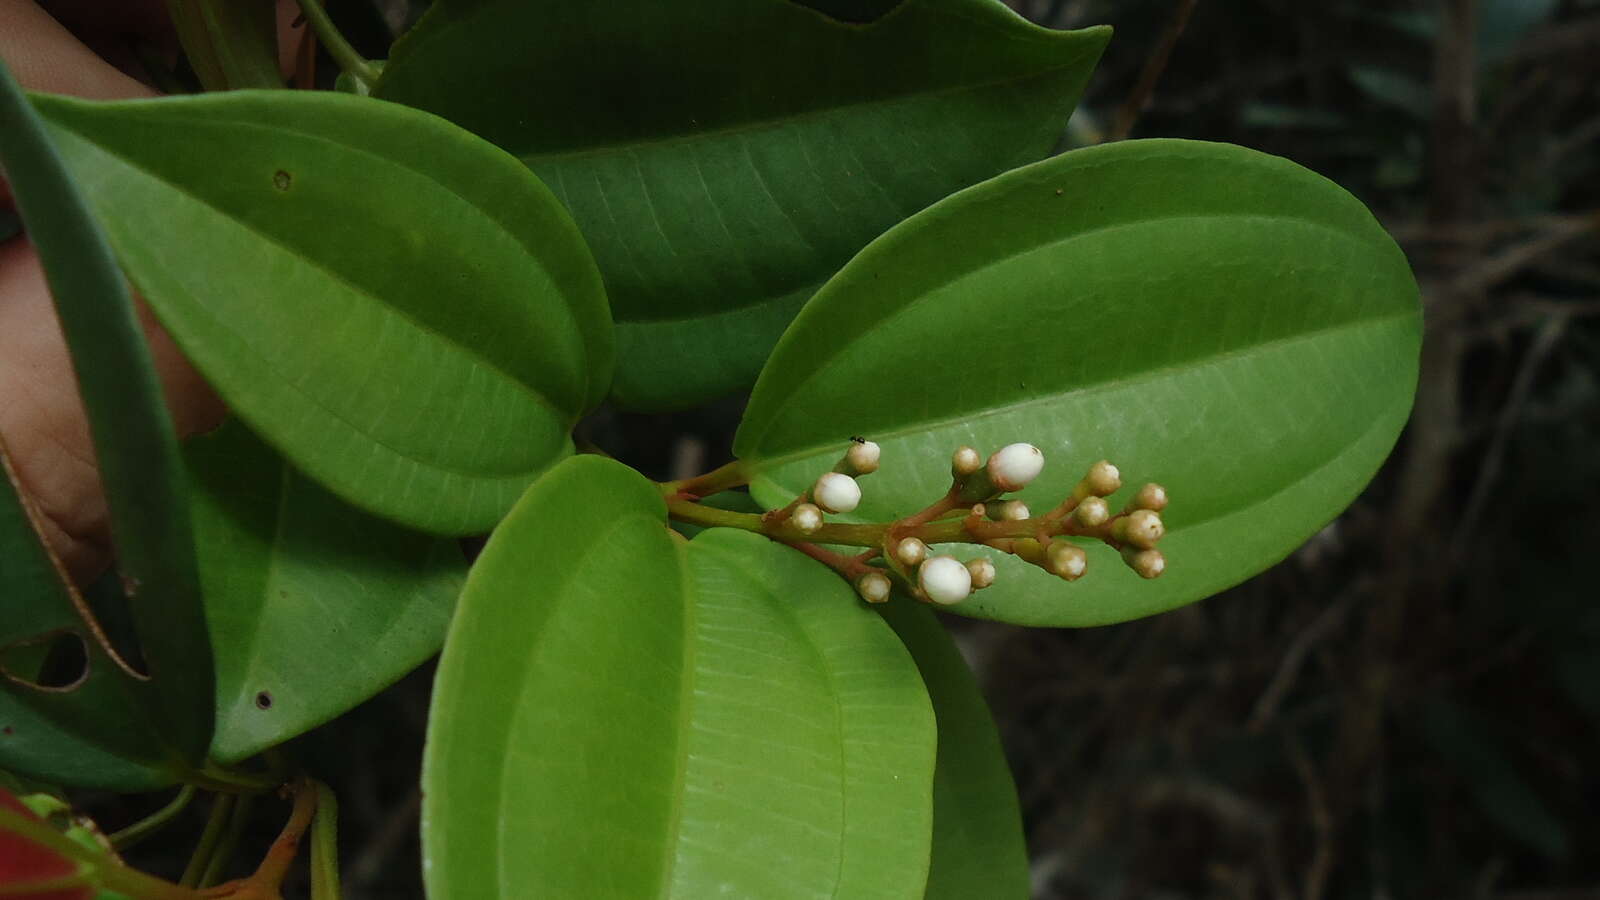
(344, 54)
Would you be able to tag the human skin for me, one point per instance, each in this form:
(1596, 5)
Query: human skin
(43, 427)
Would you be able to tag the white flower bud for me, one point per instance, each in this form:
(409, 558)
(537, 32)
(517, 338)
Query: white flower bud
(1092, 511)
(1140, 528)
(807, 518)
(1152, 497)
(1148, 563)
(874, 587)
(982, 571)
(944, 580)
(1066, 559)
(1009, 511)
(1013, 466)
(965, 462)
(911, 552)
(836, 493)
(862, 458)
(1103, 479)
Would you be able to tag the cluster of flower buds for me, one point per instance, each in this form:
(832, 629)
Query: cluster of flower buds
(836, 491)
(941, 579)
(976, 497)
(1134, 531)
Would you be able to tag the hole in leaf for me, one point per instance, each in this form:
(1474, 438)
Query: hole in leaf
(264, 700)
(52, 662)
(282, 180)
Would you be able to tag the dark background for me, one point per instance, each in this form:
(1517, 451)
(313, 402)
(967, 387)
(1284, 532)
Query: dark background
(1407, 706)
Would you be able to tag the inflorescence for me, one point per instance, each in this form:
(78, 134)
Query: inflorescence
(974, 510)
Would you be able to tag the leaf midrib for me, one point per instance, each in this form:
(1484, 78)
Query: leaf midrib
(531, 156)
(1092, 388)
(819, 364)
(1004, 19)
(295, 256)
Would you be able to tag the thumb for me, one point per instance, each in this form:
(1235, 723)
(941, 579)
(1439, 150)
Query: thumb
(44, 56)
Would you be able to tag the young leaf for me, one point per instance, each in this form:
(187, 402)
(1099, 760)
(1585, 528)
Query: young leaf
(978, 847)
(135, 448)
(723, 159)
(1218, 320)
(400, 308)
(314, 605)
(621, 714)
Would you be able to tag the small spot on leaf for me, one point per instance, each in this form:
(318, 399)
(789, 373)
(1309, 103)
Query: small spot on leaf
(281, 180)
(264, 700)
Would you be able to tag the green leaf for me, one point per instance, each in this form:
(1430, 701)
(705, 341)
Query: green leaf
(1217, 320)
(314, 605)
(94, 734)
(397, 306)
(135, 447)
(621, 714)
(978, 847)
(724, 163)
(230, 44)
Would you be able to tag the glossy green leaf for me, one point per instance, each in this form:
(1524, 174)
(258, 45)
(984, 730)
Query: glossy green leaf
(397, 306)
(314, 605)
(619, 713)
(1220, 321)
(978, 847)
(135, 447)
(724, 162)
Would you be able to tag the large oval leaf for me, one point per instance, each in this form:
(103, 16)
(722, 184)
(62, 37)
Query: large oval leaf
(1218, 320)
(314, 605)
(724, 159)
(399, 307)
(619, 714)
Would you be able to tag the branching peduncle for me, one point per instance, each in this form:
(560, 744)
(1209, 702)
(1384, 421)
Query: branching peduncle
(716, 481)
(972, 511)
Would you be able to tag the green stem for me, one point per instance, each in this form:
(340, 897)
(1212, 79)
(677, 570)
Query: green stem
(218, 821)
(143, 828)
(715, 481)
(940, 531)
(230, 841)
(61, 885)
(106, 872)
(339, 48)
(325, 845)
(229, 781)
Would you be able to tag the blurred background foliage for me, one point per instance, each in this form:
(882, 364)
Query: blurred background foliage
(1407, 707)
